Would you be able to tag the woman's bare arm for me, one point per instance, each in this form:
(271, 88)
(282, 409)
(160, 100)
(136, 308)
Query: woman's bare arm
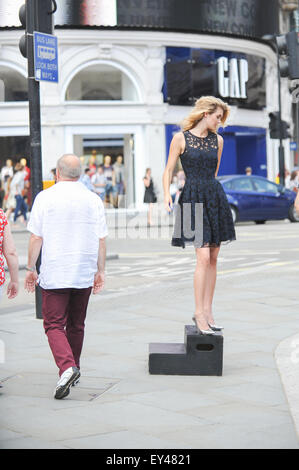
(177, 147)
(220, 148)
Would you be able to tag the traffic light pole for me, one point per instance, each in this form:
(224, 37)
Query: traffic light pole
(35, 128)
(281, 147)
(281, 160)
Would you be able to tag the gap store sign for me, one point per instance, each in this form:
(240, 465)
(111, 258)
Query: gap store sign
(232, 77)
(236, 77)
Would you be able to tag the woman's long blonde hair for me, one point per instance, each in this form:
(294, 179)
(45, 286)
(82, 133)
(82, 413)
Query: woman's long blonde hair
(205, 104)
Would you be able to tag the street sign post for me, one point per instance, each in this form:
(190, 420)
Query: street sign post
(45, 57)
(37, 15)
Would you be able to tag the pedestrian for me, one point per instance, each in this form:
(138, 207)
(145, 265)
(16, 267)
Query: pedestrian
(173, 189)
(8, 251)
(16, 189)
(181, 183)
(86, 180)
(2, 194)
(109, 174)
(9, 199)
(120, 186)
(99, 183)
(209, 222)
(92, 162)
(26, 169)
(248, 171)
(287, 179)
(52, 175)
(149, 194)
(6, 172)
(26, 193)
(294, 180)
(67, 224)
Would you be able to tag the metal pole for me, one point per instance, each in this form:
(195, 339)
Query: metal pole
(35, 127)
(281, 147)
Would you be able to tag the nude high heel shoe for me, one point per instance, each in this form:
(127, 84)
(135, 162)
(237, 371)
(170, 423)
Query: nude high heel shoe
(215, 327)
(203, 332)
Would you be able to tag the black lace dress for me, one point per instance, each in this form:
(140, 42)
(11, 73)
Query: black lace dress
(202, 215)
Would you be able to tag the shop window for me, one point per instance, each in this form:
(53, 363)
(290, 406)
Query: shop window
(101, 82)
(13, 86)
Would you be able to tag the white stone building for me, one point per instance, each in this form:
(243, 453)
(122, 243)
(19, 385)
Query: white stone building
(110, 94)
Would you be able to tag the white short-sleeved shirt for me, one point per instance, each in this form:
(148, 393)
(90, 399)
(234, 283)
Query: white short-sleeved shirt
(71, 220)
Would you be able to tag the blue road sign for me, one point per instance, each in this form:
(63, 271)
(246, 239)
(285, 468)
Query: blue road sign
(293, 146)
(45, 57)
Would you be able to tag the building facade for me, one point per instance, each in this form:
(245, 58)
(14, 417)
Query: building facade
(129, 72)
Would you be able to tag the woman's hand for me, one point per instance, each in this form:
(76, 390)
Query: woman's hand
(12, 289)
(168, 203)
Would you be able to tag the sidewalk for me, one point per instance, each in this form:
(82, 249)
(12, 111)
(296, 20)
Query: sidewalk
(119, 405)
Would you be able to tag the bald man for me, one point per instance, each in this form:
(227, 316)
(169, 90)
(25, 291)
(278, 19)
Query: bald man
(67, 223)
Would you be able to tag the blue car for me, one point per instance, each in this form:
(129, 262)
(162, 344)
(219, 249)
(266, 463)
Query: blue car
(258, 199)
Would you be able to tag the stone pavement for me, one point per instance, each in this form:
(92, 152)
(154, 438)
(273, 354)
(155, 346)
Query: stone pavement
(118, 405)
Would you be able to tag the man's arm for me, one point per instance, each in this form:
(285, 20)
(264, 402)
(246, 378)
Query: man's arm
(99, 278)
(35, 244)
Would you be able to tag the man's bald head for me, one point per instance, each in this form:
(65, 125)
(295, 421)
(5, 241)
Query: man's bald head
(69, 167)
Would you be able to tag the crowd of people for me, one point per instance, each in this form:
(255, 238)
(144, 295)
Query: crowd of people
(106, 180)
(15, 191)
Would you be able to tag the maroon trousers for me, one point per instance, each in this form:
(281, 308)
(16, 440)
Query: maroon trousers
(64, 312)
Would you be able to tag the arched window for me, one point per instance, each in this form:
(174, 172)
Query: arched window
(101, 82)
(13, 86)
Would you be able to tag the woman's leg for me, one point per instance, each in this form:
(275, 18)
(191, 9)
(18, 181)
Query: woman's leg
(210, 285)
(149, 214)
(200, 280)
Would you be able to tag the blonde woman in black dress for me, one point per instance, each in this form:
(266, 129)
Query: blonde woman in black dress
(199, 148)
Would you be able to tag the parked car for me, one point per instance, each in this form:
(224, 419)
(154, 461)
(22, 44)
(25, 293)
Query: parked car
(258, 199)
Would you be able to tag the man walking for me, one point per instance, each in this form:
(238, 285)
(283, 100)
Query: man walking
(68, 224)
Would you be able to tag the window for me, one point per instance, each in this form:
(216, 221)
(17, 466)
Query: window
(101, 82)
(242, 184)
(13, 86)
(227, 185)
(264, 186)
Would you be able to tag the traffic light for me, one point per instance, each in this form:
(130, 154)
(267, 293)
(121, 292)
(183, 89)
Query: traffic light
(285, 130)
(274, 127)
(288, 45)
(23, 40)
(36, 15)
